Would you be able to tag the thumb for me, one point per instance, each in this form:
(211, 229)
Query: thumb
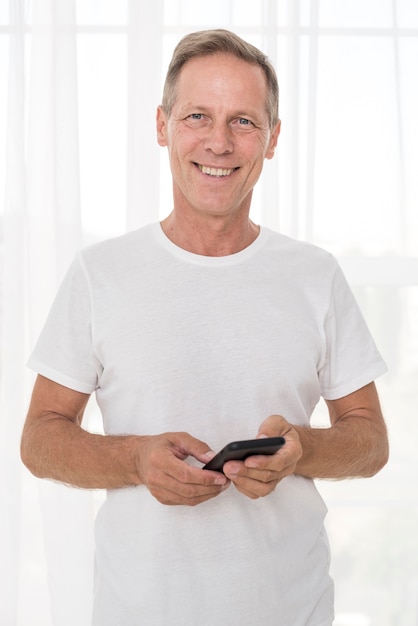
(273, 426)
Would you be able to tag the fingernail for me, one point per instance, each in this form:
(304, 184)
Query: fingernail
(208, 456)
(232, 469)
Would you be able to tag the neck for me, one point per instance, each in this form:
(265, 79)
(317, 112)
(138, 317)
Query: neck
(210, 236)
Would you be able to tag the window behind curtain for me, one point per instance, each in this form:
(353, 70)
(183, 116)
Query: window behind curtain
(344, 177)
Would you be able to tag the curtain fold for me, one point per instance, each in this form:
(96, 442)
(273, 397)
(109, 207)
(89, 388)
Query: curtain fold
(145, 37)
(53, 196)
(54, 235)
(14, 321)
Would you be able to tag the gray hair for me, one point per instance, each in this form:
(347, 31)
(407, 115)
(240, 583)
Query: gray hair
(210, 42)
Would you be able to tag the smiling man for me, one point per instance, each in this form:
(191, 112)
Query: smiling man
(217, 140)
(201, 330)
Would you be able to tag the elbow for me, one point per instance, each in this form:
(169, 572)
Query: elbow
(25, 456)
(378, 458)
(29, 457)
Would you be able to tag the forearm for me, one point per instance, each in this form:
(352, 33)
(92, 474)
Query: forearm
(55, 446)
(61, 450)
(353, 447)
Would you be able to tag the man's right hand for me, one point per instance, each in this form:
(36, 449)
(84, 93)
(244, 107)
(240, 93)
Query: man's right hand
(162, 468)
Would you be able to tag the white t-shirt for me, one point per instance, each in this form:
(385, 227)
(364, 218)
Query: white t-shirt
(174, 341)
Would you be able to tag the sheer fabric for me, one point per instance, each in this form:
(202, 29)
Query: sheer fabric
(79, 162)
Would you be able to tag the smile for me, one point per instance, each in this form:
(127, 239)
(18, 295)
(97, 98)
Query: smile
(216, 171)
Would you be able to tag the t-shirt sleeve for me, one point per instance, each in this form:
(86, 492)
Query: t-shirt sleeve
(64, 351)
(352, 359)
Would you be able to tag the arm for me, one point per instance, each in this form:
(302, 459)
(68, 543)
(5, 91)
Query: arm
(355, 445)
(55, 446)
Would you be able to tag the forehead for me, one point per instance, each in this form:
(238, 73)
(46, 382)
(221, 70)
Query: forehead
(222, 76)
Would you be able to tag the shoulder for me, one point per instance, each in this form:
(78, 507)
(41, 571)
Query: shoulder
(121, 246)
(299, 256)
(119, 254)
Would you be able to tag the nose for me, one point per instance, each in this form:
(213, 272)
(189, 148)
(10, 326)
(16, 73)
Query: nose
(219, 139)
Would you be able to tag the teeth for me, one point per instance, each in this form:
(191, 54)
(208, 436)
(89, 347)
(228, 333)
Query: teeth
(213, 171)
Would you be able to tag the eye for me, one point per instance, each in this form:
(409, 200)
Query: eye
(196, 120)
(243, 123)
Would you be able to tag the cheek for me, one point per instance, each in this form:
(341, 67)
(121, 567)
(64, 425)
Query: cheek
(256, 148)
(180, 146)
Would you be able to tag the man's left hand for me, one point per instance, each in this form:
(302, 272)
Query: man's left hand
(259, 475)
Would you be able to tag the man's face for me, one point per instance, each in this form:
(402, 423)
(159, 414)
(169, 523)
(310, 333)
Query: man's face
(217, 135)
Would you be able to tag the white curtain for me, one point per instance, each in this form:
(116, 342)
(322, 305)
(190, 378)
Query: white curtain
(80, 82)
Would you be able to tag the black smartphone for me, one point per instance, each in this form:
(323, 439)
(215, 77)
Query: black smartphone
(240, 450)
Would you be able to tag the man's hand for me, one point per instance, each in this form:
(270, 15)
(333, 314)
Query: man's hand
(162, 469)
(258, 475)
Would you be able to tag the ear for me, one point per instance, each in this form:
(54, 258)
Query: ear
(273, 140)
(161, 127)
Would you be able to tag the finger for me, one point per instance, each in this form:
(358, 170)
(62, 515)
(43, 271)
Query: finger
(254, 483)
(167, 497)
(185, 482)
(187, 445)
(238, 472)
(170, 490)
(273, 462)
(254, 488)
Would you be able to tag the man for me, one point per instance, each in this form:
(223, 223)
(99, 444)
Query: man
(192, 333)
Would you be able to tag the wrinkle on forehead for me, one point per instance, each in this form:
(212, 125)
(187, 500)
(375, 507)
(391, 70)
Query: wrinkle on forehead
(221, 82)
